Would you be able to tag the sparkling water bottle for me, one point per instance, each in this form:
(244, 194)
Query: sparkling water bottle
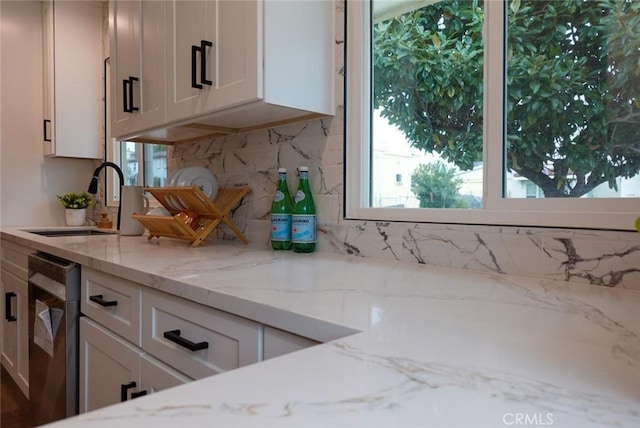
(304, 216)
(281, 210)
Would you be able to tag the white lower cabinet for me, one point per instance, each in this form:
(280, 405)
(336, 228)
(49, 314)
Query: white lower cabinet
(113, 370)
(15, 342)
(14, 327)
(135, 340)
(106, 364)
(113, 366)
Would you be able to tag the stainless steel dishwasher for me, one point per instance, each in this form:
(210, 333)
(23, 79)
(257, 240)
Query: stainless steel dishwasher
(54, 308)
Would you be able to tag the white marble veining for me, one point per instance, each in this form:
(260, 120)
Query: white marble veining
(436, 347)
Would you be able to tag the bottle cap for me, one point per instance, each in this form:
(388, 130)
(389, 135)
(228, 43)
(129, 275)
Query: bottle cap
(304, 168)
(281, 170)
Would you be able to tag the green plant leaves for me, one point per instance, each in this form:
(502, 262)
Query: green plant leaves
(573, 94)
(75, 200)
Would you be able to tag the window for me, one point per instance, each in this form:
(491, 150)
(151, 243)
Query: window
(518, 112)
(141, 165)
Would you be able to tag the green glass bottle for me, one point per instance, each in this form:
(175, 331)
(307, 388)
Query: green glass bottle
(304, 216)
(281, 210)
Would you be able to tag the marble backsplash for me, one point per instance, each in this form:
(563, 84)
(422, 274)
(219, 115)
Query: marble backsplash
(596, 257)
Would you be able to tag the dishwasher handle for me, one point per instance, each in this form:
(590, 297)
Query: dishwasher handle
(53, 267)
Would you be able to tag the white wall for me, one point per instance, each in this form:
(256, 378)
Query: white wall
(28, 182)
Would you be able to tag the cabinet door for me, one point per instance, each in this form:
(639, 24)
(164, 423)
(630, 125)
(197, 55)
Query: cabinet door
(156, 376)
(137, 66)
(72, 40)
(109, 367)
(48, 126)
(15, 323)
(233, 60)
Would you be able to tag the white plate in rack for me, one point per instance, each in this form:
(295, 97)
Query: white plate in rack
(201, 177)
(173, 181)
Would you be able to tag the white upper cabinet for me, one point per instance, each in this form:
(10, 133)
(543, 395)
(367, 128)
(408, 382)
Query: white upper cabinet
(73, 63)
(230, 66)
(213, 56)
(137, 65)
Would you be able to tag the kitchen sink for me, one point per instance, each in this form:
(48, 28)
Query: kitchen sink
(70, 232)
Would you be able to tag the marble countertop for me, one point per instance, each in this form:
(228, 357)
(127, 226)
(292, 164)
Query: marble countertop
(425, 346)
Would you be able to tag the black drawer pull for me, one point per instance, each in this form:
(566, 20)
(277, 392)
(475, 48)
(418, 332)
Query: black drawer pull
(99, 300)
(138, 394)
(7, 306)
(174, 336)
(124, 389)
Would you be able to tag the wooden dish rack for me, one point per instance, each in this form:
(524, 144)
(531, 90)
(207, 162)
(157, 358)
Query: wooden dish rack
(210, 213)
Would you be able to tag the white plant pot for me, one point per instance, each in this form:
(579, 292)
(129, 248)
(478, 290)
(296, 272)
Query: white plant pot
(75, 217)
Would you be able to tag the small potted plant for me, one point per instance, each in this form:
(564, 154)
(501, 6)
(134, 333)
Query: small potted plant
(76, 207)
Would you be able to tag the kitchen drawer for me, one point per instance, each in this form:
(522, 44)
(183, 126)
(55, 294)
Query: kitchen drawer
(14, 258)
(278, 342)
(231, 341)
(116, 303)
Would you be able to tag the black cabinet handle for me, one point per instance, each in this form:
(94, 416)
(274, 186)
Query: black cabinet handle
(44, 130)
(174, 336)
(138, 394)
(125, 96)
(7, 306)
(203, 61)
(99, 300)
(194, 78)
(131, 106)
(124, 389)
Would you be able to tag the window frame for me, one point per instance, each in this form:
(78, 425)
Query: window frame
(591, 213)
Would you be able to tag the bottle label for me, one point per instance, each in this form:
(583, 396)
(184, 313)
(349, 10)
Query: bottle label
(300, 196)
(303, 228)
(279, 196)
(281, 227)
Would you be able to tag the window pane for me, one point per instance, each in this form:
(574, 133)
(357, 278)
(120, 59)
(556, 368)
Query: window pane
(143, 164)
(129, 162)
(427, 104)
(155, 165)
(573, 105)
